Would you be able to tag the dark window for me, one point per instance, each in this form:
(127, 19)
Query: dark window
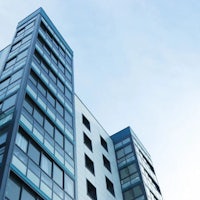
(52, 76)
(89, 164)
(42, 88)
(28, 105)
(91, 191)
(104, 144)
(86, 122)
(87, 141)
(33, 78)
(51, 99)
(110, 186)
(106, 163)
(26, 195)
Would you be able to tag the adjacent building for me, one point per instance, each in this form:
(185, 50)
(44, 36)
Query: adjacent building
(51, 146)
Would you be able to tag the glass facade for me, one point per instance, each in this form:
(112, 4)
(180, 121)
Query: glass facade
(37, 114)
(137, 176)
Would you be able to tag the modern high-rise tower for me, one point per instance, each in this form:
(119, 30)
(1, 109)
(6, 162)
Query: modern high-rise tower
(51, 146)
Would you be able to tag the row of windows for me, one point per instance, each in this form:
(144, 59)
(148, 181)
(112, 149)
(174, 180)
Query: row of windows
(88, 143)
(24, 28)
(87, 140)
(48, 110)
(90, 164)
(52, 75)
(133, 193)
(14, 67)
(48, 127)
(55, 43)
(21, 43)
(58, 83)
(124, 151)
(8, 103)
(30, 155)
(55, 59)
(91, 189)
(18, 191)
(55, 104)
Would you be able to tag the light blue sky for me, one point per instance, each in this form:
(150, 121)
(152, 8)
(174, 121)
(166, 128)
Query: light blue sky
(136, 63)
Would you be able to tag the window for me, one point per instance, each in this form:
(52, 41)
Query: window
(133, 193)
(3, 136)
(91, 191)
(38, 116)
(87, 141)
(59, 137)
(104, 144)
(110, 187)
(34, 153)
(86, 122)
(42, 88)
(69, 185)
(46, 165)
(124, 151)
(60, 85)
(28, 105)
(51, 99)
(26, 195)
(59, 108)
(106, 163)
(69, 148)
(9, 102)
(58, 175)
(89, 164)
(21, 142)
(68, 118)
(49, 127)
(12, 190)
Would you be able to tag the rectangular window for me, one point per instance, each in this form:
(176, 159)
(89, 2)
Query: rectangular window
(69, 185)
(49, 127)
(106, 163)
(3, 136)
(34, 153)
(69, 148)
(38, 116)
(59, 138)
(87, 141)
(91, 190)
(58, 175)
(46, 165)
(28, 105)
(110, 186)
(86, 122)
(21, 142)
(104, 144)
(89, 164)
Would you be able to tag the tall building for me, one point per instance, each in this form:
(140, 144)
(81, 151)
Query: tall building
(37, 133)
(51, 146)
